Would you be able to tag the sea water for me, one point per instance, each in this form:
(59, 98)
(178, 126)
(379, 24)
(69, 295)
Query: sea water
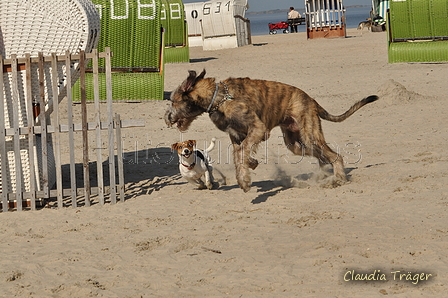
(259, 23)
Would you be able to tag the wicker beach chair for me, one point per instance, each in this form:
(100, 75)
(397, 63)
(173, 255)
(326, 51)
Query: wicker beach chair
(176, 36)
(133, 31)
(33, 26)
(418, 31)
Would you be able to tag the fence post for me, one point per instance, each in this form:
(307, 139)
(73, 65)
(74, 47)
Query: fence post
(113, 192)
(96, 96)
(71, 136)
(57, 147)
(17, 156)
(31, 137)
(43, 124)
(119, 157)
(85, 140)
(3, 153)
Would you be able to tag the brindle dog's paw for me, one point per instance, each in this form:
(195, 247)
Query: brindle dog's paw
(333, 182)
(244, 186)
(253, 163)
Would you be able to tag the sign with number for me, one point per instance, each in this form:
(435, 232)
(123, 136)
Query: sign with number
(193, 15)
(218, 18)
(215, 20)
(173, 20)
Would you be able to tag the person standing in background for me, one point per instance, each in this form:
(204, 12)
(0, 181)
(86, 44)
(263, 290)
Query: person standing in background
(292, 19)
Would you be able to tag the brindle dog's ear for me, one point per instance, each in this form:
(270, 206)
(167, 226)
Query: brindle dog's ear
(189, 83)
(201, 76)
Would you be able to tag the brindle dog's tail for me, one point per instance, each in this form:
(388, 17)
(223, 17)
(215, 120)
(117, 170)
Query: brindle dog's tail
(326, 116)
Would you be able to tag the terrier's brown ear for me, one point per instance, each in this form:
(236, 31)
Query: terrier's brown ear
(175, 146)
(192, 142)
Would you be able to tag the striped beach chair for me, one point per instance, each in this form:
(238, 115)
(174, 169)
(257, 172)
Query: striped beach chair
(381, 12)
(31, 27)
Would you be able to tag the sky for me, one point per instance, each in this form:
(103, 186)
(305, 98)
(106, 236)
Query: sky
(261, 5)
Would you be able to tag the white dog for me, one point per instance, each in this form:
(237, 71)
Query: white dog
(194, 163)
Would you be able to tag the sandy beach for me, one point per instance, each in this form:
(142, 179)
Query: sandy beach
(291, 235)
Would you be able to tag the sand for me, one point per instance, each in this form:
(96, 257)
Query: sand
(291, 235)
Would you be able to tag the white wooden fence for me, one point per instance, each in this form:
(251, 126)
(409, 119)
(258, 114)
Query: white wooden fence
(27, 182)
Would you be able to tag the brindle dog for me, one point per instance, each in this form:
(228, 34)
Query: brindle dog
(249, 109)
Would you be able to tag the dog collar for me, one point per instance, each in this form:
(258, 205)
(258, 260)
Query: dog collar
(214, 97)
(226, 97)
(190, 167)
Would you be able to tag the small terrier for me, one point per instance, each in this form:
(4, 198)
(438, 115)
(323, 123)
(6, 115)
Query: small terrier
(193, 163)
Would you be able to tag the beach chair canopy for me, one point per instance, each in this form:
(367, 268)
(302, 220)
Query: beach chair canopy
(52, 26)
(175, 31)
(132, 29)
(173, 20)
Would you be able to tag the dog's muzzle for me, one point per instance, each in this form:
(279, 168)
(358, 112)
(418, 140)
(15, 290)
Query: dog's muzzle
(169, 118)
(186, 153)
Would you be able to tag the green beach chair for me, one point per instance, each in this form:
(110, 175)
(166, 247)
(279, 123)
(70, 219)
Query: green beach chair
(176, 35)
(133, 31)
(418, 31)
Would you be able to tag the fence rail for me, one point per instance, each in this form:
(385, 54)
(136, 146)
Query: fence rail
(34, 129)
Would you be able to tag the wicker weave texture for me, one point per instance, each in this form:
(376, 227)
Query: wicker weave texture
(418, 31)
(131, 29)
(429, 51)
(125, 86)
(54, 26)
(177, 54)
(173, 20)
(418, 19)
(176, 34)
